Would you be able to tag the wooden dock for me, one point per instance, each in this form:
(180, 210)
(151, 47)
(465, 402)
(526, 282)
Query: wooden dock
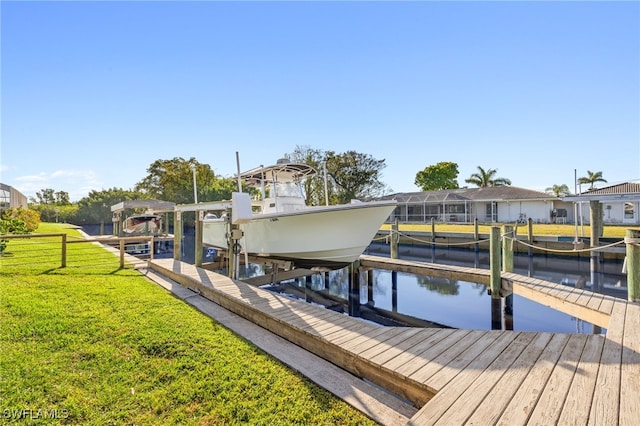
(457, 376)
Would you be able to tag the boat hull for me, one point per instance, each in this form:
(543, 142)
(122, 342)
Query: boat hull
(331, 236)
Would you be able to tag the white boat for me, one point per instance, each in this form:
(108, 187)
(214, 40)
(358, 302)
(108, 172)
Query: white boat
(282, 226)
(142, 224)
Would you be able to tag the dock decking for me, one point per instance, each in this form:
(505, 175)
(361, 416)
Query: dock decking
(460, 376)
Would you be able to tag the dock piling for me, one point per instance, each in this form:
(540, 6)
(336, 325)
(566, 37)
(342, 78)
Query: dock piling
(632, 240)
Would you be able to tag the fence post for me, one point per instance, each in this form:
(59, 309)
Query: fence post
(632, 240)
(494, 262)
(63, 262)
(121, 253)
(151, 248)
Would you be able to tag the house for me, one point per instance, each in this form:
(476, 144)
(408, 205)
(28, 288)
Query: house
(11, 198)
(491, 204)
(620, 203)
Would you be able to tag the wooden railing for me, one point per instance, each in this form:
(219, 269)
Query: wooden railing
(31, 253)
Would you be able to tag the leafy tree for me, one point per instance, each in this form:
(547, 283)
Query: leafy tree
(96, 207)
(591, 178)
(29, 217)
(354, 175)
(172, 180)
(484, 178)
(442, 175)
(558, 190)
(314, 185)
(17, 221)
(52, 197)
(52, 205)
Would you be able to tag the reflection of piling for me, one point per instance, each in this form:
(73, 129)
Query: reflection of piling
(354, 289)
(394, 291)
(308, 279)
(494, 262)
(496, 313)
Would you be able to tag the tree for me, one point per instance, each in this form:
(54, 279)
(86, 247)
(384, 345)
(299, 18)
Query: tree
(591, 178)
(52, 197)
(52, 205)
(439, 176)
(354, 175)
(172, 180)
(558, 190)
(314, 189)
(96, 207)
(484, 178)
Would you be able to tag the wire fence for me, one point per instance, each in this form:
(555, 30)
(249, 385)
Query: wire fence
(61, 251)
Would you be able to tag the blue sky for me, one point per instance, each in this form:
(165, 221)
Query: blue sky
(94, 92)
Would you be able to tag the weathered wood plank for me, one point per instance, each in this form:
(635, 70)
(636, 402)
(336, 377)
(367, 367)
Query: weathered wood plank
(338, 338)
(500, 395)
(607, 305)
(370, 340)
(606, 398)
(577, 404)
(430, 353)
(455, 358)
(549, 405)
(403, 346)
(410, 356)
(525, 398)
(393, 341)
(453, 404)
(630, 374)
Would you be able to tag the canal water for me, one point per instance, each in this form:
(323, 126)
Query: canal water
(460, 304)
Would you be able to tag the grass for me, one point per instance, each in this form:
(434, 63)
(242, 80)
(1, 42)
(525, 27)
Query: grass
(101, 345)
(610, 231)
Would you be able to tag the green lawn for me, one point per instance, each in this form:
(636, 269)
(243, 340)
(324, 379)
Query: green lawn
(99, 345)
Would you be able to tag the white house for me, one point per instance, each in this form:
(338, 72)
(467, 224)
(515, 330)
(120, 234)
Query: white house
(491, 204)
(620, 203)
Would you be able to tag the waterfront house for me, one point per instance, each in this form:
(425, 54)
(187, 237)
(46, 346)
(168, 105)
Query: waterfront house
(491, 204)
(620, 203)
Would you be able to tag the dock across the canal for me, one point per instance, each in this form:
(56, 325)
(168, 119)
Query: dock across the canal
(456, 376)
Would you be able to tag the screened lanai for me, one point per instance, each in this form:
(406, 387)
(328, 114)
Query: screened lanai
(441, 206)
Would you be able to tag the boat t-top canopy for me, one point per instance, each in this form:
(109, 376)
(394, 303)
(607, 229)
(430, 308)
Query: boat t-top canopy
(282, 172)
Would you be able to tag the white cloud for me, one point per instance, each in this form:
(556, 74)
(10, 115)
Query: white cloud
(77, 183)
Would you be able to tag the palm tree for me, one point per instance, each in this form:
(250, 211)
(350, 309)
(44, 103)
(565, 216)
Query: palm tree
(484, 178)
(558, 190)
(591, 178)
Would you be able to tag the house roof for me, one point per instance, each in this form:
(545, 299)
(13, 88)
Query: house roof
(626, 191)
(492, 193)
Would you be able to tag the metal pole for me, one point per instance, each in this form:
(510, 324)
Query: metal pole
(195, 188)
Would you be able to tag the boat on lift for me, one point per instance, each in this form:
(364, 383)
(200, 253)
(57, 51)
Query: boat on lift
(142, 224)
(280, 225)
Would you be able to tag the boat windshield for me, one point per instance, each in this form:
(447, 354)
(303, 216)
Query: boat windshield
(288, 189)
